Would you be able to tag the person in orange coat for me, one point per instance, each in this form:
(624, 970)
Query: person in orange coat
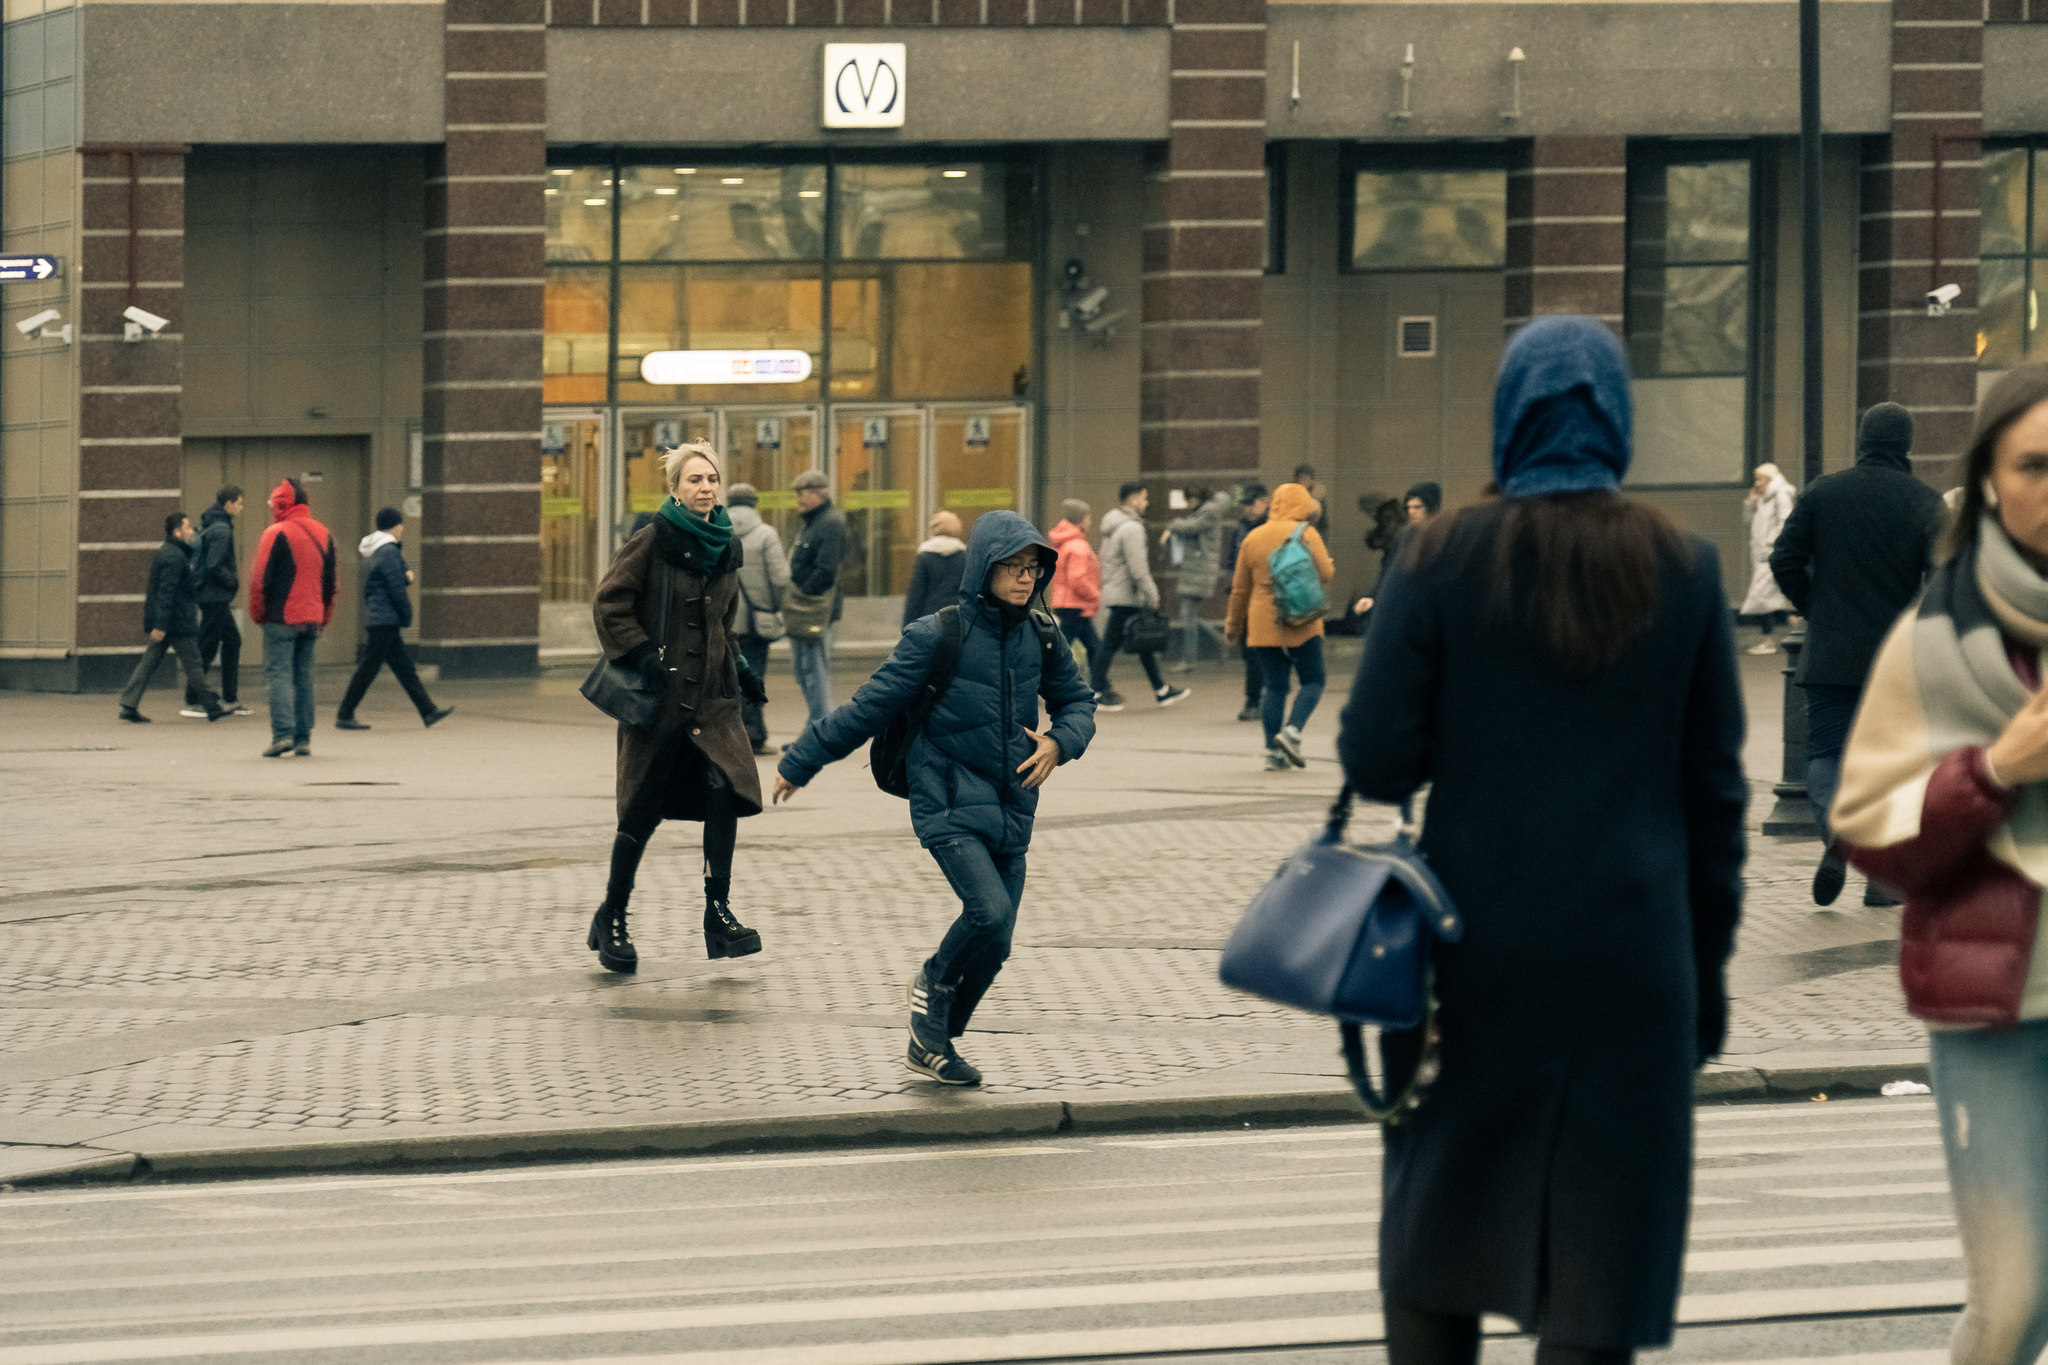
(1282, 650)
(1075, 593)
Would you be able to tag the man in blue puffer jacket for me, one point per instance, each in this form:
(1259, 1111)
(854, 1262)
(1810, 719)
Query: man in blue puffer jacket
(387, 610)
(975, 768)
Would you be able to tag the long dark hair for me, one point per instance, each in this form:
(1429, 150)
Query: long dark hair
(2009, 400)
(1582, 571)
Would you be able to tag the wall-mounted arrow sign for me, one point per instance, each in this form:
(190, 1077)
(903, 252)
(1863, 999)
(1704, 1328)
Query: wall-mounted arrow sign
(15, 269)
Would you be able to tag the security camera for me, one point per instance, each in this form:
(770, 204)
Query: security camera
(30, 325)
(1090, 303)
(1106, 322)
(141, 320)
(1941, 299)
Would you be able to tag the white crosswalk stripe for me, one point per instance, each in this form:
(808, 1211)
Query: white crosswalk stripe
(1241, 1242)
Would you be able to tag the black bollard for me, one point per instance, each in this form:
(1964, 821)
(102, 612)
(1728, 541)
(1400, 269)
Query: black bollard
(1794, 813)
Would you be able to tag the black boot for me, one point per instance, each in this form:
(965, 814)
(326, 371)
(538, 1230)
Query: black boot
(1829, 876)
(608, 936)
(725, 936)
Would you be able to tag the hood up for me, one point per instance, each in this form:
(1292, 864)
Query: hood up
(1292, 502)
(213, 515)
(1885, 437)
(374, 542)
(1064, 533)
(1561, 411)
(943, 545)
(997, 536)
(744, 519)
(284, 500)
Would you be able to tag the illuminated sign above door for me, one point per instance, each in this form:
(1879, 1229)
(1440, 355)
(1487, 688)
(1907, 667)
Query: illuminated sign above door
(864, 85)
(726, 367)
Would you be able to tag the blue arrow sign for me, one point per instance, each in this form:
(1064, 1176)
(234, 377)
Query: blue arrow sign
(14, 269)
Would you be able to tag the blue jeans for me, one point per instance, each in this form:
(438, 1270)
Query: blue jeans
(814, 672)
(990, 887)
(288, 671)
(1992, 1089)
(1830, 710)
(1305, 661)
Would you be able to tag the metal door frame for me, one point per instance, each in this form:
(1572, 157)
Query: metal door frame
(1025, 452)
(926, 451)
(607, 443)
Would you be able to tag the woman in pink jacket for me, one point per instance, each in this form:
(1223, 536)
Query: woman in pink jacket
(1076, 589)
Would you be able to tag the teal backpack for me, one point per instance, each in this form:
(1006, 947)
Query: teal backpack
(1297, 587)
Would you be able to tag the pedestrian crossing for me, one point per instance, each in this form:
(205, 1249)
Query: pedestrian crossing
(1809, 1219)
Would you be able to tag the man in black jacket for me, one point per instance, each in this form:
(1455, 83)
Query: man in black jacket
(171, 616)
(814, 568)
(1253, 501)
(387, 610)
(1851, 558)
(219, 580)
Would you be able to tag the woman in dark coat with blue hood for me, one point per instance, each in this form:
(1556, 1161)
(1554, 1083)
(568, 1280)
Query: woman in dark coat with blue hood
(1556, 663)
(975, 766)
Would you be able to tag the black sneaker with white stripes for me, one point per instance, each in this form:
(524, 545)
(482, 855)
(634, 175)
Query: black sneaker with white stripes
(947, 1068)
(931, 1038)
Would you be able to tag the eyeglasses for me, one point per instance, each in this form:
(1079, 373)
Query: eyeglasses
(1031, 569)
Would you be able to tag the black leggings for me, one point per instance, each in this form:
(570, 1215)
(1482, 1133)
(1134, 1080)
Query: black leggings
(1417, 1336)
(721, 821)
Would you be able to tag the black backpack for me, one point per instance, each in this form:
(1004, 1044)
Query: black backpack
(889, 751)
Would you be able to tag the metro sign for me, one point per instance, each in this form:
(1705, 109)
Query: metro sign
(726, 367)
(16, 269)
(864, 85)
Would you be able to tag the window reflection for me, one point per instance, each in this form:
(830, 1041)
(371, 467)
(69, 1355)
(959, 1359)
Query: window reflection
(576, 313)
(2005, 201)
(722, 213)
(1688, 267)
(1429, 220)
(2008, 290)
(959, 212)
(2001, 312)
(579, 213)
(716, 308)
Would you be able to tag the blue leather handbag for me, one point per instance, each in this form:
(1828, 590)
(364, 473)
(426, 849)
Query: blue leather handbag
(1347, 930)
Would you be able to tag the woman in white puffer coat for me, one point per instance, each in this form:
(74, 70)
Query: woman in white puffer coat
(1766, 510)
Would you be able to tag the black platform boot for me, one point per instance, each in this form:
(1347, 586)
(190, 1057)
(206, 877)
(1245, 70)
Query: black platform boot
(725, 936)
(608, 936)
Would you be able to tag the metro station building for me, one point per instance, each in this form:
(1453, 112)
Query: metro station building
(418, 253)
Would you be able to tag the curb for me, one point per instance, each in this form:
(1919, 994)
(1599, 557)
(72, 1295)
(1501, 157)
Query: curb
(25, 1165)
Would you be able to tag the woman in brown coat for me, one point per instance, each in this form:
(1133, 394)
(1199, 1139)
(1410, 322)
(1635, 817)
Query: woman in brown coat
(695, 762)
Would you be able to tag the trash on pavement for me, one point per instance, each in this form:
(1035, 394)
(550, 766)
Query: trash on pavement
(1893, 1089)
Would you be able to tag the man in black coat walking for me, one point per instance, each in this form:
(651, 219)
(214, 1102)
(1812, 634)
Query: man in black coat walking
(219, 581)
(814, 564)
(1253, 502)
(171, 616)
(387, 610)
(1851, 558)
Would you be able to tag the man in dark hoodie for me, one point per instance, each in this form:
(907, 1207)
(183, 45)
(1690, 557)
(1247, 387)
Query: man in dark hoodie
(1851, 558)
(171, 616)
(387, 610)
(975, 765)
(218, 581)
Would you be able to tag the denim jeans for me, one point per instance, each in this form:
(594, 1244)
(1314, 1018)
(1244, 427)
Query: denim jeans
(1830, 710)
(814, 672)
(990, 887)
(1304, 661)
(754, 650)
(1992, 1090)
(288, 670)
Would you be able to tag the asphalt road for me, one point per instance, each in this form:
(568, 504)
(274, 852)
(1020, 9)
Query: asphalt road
(1821, 1231)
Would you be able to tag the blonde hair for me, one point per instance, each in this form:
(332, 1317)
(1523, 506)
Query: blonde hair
(1769, 469)
(945, 524)
(675, 457)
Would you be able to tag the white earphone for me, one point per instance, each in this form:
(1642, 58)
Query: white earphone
(1990, 494)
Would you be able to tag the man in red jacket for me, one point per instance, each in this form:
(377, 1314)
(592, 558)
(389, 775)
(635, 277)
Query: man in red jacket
(291, 595)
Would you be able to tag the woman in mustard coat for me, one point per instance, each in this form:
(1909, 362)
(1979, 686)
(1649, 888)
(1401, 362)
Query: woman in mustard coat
(1282, 650)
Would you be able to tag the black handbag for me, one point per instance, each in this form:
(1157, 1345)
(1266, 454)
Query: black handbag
(1147, 631)
(1347, 930)
(622, 691)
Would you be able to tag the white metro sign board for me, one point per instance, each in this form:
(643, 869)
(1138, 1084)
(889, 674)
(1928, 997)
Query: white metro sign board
(726, 367)
(864, 85)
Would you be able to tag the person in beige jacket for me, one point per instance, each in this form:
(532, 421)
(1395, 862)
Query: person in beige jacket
(1282, 650)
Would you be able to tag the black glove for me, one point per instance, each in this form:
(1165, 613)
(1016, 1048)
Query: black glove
(1712, 1024)
(645, 659)
(752, 688)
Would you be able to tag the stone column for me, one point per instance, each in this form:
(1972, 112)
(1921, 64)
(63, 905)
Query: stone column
(1567, 228)
(130, 394)
(1204, 249)
(485, 254)
(1921, 201)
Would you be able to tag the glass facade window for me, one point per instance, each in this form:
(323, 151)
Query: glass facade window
(718, 308)
(576, 312)
(2014, 239)
(579, 214)
(1688, 265)
(1428, 218)
(968, 212)
(721, 213)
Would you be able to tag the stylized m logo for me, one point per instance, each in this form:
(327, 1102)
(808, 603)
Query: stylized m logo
(864, 85)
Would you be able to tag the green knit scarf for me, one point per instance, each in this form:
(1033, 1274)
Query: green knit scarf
(714, 532)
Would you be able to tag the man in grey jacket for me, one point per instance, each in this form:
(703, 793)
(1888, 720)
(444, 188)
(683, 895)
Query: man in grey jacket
(1127, 589)
(764, 573)
(1200, 534)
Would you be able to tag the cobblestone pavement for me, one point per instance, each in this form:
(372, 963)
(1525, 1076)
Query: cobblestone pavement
(207, 948)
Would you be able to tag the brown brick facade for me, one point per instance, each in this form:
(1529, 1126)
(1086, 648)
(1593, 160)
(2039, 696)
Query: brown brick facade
(1921, 200)
(485, 248)
(876, 13)
(130, 425)
(1204, 248)
(1567, 228)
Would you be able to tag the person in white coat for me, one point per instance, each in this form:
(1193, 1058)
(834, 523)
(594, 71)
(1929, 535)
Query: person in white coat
(1767, 509)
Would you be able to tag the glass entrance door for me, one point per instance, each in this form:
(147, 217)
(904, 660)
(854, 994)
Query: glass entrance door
(572, 471)
(978, 460)
(877, 479)
(768, 448)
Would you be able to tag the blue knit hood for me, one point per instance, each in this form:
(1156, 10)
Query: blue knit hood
(997, 536)
(1561, 413)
